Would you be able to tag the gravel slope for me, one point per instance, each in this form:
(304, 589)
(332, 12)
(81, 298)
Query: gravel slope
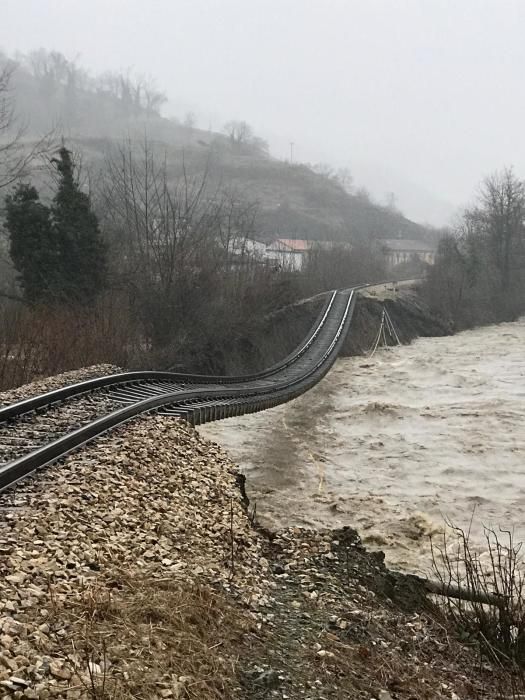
(132, 570)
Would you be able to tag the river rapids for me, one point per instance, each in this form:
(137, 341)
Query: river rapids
(397, 444)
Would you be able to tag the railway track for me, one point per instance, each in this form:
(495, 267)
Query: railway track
(42, 429)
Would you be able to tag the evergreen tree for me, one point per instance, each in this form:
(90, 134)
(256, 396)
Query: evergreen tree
(82, 251)
(33, 244)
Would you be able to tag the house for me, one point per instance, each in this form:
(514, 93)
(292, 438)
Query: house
(292, 253)
(288, 253)
(403, 250)
(247, 248)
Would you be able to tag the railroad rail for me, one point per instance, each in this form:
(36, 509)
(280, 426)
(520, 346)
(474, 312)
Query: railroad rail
(39, 430)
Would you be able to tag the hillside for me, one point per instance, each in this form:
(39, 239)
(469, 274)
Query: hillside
(294, 201)
(92, 113)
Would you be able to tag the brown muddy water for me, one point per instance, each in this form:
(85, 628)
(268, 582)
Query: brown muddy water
(395, 443)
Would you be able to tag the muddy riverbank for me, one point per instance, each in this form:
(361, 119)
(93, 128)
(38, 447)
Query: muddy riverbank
(266, 340)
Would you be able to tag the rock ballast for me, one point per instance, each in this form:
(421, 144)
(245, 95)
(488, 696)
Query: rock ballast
(133, 569)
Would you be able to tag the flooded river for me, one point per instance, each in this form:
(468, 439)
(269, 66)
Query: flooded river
(393, 444)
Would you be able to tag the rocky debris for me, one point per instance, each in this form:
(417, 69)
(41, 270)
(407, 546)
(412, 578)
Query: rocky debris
(134, 560)
(384, 695)
(151, 498)
(358, 630)
(58, 381)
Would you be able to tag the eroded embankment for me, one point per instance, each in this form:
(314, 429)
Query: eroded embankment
(410, 316)
(133, 570)
(267, 340)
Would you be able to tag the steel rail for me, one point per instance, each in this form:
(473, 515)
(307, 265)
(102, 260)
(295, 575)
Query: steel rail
(108, 381)
(205, 403)
(50, 398)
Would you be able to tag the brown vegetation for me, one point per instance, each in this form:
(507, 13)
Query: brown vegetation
(168, 639)
(40, 342)
(479, 274)
(487, 600)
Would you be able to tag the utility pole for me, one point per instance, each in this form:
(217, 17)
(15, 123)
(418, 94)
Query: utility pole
(291, 151)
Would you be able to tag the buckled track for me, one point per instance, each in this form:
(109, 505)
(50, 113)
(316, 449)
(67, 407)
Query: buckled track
(39, 430)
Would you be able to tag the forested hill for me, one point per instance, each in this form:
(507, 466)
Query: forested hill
(94, 112)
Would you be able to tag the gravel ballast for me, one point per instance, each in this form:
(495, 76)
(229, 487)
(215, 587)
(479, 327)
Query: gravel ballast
(41, 386)
(133, 570)
(151, 499)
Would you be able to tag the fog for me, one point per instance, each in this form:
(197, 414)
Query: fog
(417, 97)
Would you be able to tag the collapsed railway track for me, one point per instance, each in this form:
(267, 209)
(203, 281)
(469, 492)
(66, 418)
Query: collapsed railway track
(39, 430)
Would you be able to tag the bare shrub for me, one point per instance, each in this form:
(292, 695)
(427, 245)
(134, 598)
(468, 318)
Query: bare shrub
(472, 580)
(42, 341)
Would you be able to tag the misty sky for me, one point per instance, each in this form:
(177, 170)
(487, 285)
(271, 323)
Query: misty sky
(421, 97)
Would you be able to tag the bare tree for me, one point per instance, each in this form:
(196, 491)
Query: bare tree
(16, 155)
(153, 98)
(242, 139)
(238, 132)
(50, 68)
(164, 230)
(181, 249)
(345, 179)
(236, 222)
(500, 218)
(135, 95)
(479, 273)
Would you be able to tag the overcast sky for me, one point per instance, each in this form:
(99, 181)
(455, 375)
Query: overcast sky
(422, 97)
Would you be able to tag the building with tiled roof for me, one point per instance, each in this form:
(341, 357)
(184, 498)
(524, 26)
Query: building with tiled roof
(403, 250)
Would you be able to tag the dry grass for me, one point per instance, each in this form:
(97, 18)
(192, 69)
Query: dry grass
(141, 638)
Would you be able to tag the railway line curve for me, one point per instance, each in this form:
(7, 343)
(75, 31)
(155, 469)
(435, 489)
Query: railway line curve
(39, 430)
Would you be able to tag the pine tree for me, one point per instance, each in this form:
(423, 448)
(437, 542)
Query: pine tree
(33, 244)
(82, 251)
